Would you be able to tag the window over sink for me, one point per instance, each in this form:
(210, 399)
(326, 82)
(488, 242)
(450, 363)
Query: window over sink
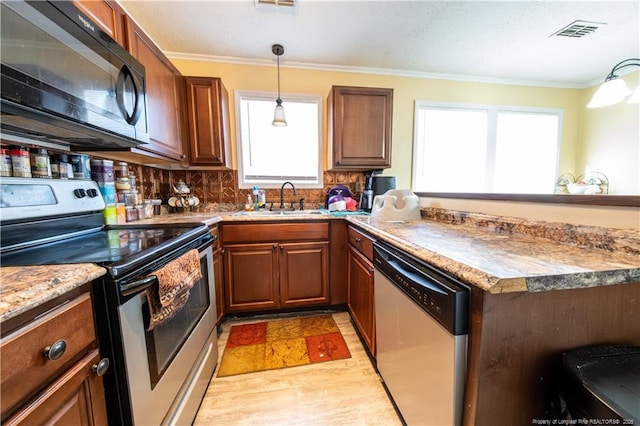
(269, 155)
(485, 148)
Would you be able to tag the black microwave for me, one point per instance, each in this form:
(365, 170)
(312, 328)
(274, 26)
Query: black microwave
(64, 80)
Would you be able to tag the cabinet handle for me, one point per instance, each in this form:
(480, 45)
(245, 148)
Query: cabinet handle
(275, 246)
(358, 240)
(55, 351)
(282, 247)
(371, 270)
(100, 369)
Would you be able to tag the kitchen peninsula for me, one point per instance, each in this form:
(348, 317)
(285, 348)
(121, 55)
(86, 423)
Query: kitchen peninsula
(533, 296)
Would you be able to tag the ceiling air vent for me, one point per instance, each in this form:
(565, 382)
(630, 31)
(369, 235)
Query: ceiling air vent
(285, 3)
(578, 29)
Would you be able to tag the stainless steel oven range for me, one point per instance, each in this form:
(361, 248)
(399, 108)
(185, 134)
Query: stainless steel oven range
(157, 375)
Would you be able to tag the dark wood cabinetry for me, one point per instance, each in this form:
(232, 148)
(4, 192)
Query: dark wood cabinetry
(274, 266)
(165, 95)
(218, 274)
(360, 298)
(107, 14)
(208, 118)
(45, 381)
(360, 127)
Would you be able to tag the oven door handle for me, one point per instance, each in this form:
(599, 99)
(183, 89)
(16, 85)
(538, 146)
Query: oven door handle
(137, 286)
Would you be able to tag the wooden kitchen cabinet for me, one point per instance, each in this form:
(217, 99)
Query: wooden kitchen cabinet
(208, 119)
(360, 127)
(165, 95)
(62, 390)
(107, 14)
(360, 298)
(218, 275)
(276, 266)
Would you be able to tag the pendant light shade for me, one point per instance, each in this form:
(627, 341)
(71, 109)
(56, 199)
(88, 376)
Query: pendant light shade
(614, 89)
(278, 114)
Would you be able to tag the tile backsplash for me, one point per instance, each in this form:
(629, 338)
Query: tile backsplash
(221, 186)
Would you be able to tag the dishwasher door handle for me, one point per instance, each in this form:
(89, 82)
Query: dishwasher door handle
(413, 276)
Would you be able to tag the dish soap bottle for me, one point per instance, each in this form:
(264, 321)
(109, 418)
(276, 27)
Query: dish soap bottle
(249, 204)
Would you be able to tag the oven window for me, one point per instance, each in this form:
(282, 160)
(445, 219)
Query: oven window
(164, 341)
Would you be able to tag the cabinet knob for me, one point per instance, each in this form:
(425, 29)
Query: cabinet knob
(55, 351)
(101, 367)
(358, 240)
(275, 246)
(282, 247)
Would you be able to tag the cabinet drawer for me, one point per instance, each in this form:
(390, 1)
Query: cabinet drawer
(362, 242)
(281, 232)
(25, 370)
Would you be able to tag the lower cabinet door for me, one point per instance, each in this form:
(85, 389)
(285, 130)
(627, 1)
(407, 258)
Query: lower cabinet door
(76, 398)
(251, 277)
(360, 298)
(304, 274)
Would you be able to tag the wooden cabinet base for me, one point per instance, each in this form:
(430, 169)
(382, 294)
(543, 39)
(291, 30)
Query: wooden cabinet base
(516, 343)
(76, 398)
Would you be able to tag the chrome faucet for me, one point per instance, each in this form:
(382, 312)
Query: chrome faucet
(282, 192)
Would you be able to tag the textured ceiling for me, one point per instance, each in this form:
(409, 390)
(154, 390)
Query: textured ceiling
(492, 41)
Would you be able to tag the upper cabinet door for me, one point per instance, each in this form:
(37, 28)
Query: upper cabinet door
(208, 116)
(165, 94)
(360, 127)
(107, 14)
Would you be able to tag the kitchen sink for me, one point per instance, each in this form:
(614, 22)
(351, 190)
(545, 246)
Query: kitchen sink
(280, 213)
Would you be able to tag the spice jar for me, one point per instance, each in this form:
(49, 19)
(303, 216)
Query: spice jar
(131, 213)
(64, 166)
(5, 162)
(20, 162)
(122, 170)
(40, 166)
(121, 213)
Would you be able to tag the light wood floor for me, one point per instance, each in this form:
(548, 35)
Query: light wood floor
(333, 393)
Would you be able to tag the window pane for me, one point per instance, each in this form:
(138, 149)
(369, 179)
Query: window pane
(526, 153)
(271, 154)
(486, 149)
(452, 146)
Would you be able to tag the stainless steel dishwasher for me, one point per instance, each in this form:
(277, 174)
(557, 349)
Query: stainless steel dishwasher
(422, 321)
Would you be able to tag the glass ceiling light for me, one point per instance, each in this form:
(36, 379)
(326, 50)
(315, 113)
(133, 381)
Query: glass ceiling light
(278, 115)
(614, 89)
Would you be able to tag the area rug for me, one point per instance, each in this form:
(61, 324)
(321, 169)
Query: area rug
(282, 343)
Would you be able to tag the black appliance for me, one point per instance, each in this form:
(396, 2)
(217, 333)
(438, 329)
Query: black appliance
(375, 185)
(600, 383)
(66, 81)
(50, 221)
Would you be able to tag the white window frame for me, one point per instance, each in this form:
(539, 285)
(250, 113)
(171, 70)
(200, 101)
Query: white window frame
(492, 133)
(277, 182)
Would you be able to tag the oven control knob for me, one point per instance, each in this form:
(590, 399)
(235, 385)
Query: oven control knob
(101, 367)
(80, 193)
(92, 192)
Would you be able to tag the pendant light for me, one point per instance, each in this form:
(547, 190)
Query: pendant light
(614, 89)
(278, 115)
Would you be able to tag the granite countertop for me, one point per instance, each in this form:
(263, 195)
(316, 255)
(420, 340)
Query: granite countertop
(501, 262)
(495, 254)
(26, 287)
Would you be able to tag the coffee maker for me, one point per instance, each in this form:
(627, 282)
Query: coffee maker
(375, 184)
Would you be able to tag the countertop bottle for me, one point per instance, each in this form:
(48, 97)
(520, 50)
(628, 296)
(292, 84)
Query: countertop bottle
(6, 169)
(20, 161)
(40, 165)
